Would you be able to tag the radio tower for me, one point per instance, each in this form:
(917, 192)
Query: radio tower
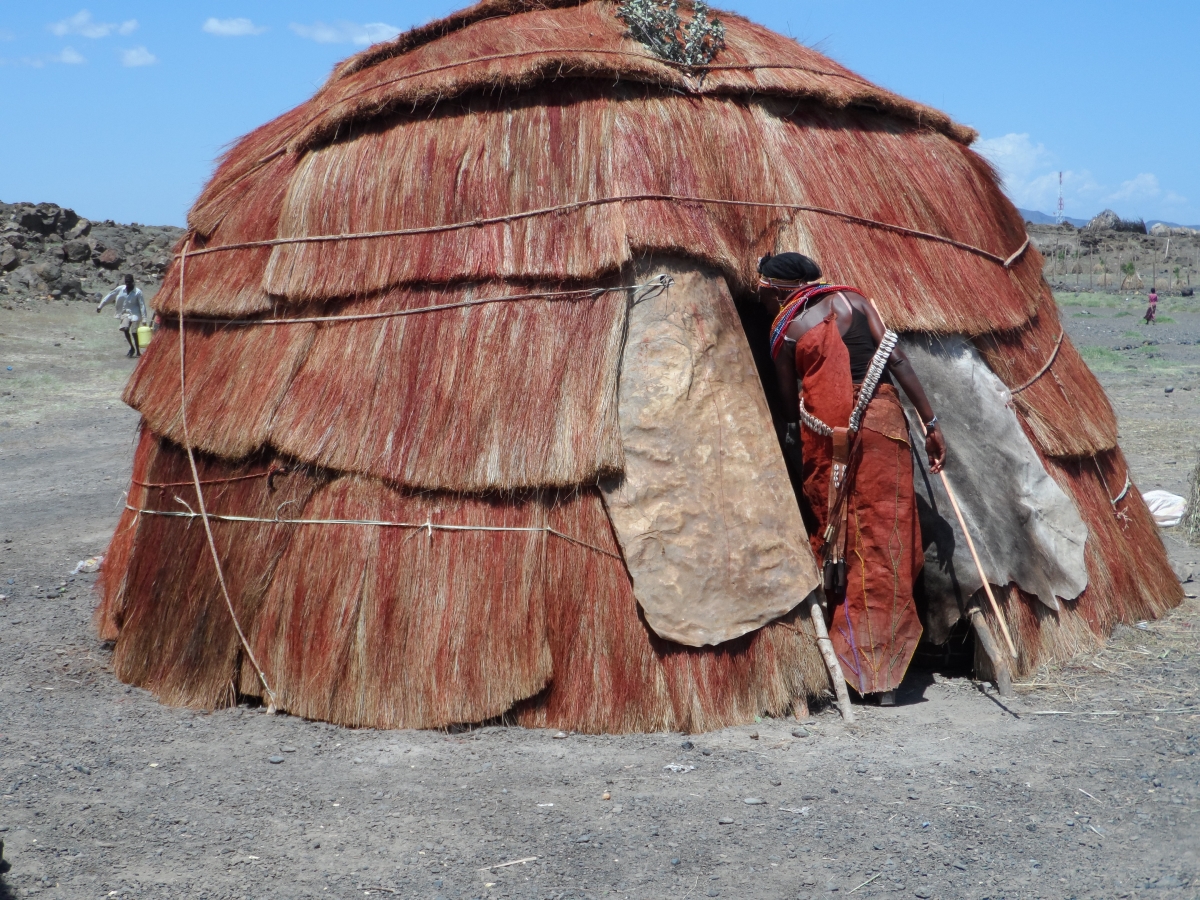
(1058, 216)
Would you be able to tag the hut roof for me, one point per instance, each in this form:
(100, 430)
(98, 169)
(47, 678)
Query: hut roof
(455, 163)
(519, 44)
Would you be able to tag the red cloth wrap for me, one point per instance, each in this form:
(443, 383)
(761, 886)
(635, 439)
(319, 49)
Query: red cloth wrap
(875, 628)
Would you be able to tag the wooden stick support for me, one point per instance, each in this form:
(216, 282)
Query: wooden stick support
(987, 588)
(962, 523)
(800, 708)
(831, 661)
(1001, 670)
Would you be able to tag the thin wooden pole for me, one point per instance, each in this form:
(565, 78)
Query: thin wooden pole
(962, 523)
(979, 566)
(831, 661)
(1000, 667)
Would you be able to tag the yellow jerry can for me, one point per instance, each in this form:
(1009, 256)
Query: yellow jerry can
(143, 336)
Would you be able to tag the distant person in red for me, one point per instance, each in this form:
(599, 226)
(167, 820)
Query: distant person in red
(131, 309)
(1152, 309)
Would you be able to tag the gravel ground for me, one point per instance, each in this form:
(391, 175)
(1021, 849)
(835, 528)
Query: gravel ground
(1085, 785)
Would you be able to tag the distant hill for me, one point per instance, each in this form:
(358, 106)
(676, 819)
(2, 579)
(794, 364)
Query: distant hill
(1041, 218)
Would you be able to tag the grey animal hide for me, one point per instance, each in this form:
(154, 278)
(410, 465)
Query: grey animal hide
(705, 514)
(1026, 529)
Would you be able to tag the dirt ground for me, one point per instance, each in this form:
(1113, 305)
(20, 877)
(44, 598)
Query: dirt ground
(1086, 785)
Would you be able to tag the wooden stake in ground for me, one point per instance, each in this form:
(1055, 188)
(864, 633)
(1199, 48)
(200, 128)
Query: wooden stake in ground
(831, 660)
(1000, 667)
(979, 566)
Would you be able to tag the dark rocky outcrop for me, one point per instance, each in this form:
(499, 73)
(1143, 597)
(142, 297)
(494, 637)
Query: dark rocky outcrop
(49, 251)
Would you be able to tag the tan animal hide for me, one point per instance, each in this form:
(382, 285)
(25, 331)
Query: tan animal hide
(705, 514)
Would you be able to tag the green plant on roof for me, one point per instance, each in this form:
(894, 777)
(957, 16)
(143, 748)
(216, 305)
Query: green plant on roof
(656, 23)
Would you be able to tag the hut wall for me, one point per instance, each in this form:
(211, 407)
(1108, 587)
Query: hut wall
(508, 395)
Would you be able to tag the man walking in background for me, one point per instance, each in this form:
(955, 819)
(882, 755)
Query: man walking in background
(131, 309)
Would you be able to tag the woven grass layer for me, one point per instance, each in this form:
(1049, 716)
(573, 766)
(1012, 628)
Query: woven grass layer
(605, 141)
(1064, 409)
(532, 46)
(544, 42)
(498, 396)
(390, 627)
(231, 283)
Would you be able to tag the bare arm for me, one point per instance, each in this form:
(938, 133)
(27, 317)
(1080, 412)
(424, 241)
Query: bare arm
(785, 373)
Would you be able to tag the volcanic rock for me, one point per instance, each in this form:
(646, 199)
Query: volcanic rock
(82, 228)
(77, 251)
(1106, 219)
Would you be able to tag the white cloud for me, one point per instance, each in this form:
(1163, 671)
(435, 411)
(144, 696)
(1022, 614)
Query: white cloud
(346, 32)
(69, 56)
(232, 27)
(84, 25)
(1030, 176)
(138, 56)
(1014, 154)
(1142, 187)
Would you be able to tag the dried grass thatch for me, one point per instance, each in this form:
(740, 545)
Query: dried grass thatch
(528, 606)
(522, 148)
(599, 144)
(1057, 397)
(502, 46)
(496, 396)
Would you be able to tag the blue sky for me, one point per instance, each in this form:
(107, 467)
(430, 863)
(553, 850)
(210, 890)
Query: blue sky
(119, 108)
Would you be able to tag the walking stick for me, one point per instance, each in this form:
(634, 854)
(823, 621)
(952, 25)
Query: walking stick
(962, 523)
(831, 661)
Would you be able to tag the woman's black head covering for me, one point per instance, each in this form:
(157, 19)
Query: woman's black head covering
(788, 267)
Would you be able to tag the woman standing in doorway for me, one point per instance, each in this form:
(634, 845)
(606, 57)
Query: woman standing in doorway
(835, 362)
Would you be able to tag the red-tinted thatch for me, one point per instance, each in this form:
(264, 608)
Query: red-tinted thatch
(412, 172)
(1056, 395)
(523, 148)
(505, 45)
(496, 396)
(393, 626)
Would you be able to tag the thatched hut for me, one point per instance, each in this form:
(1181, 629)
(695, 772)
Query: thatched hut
(462, 454)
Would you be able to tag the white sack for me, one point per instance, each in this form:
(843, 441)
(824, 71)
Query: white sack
(1168, 509)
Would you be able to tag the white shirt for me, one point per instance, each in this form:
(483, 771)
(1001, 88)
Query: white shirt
(128, 304)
